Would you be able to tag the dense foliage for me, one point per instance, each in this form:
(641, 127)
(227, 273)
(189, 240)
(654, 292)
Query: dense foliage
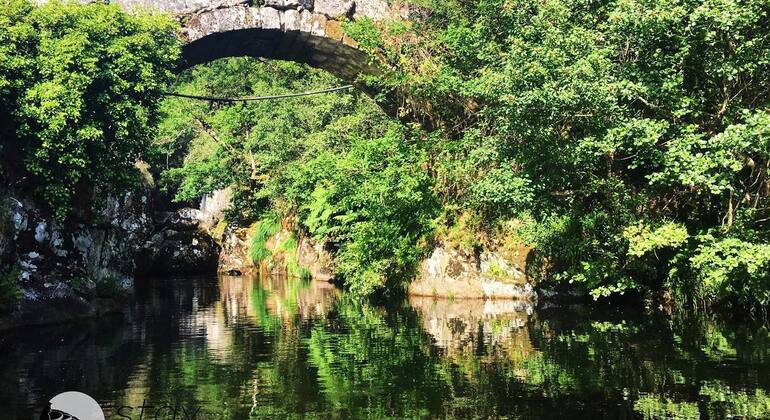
(631, 137)
(79, 93)
(334, 165)
(627, 141)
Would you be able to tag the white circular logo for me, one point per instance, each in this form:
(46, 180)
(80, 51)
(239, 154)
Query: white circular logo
(72, 405)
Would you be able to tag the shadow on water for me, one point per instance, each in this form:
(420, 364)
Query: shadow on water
(248, 347)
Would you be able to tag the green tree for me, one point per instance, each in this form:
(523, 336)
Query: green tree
(334, 164)
(595, 119)
(80, 88)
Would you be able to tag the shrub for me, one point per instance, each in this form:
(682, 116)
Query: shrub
(263, 230)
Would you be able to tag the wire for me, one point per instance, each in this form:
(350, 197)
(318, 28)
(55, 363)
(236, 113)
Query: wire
(257, 98)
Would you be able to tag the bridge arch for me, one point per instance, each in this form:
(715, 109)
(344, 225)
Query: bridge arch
(305, 31)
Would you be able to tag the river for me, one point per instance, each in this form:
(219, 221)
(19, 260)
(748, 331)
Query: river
(249, 347)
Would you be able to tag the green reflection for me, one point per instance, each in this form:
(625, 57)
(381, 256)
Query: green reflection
(249, 347)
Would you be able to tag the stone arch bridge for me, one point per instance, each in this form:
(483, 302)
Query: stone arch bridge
(305, 31)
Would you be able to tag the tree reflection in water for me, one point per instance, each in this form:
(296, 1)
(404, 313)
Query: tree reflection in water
(254, 347)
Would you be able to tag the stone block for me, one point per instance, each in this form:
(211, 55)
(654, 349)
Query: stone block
(374, 9)
(318, 25)
(203, 25)
(270, 18)
(334, 30)
(306, 21)
(289, 4)
(231, 19)
(291, 20)
(334, 9)
(252, 18)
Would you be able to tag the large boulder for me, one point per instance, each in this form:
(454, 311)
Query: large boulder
(234, 258)
(316, 259)
(212, 209)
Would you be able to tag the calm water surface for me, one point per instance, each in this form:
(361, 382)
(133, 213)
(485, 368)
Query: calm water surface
(241, 347)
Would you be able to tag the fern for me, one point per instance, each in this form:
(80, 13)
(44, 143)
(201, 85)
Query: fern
(289, 249)
(266, 228)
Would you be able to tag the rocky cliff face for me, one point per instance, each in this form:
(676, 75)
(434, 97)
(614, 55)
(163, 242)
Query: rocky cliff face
(63, 268)
(308, 255)
(234, 258)
(49, 253)
(55, 270)
(493, 274)
(317, 260)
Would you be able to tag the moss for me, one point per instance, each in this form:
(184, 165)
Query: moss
(497, 272)
(219, 230)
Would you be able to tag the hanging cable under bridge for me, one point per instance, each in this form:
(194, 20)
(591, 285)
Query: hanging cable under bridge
(257, 98)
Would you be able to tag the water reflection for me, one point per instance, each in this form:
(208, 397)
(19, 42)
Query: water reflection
(479, 326)
(249, 347)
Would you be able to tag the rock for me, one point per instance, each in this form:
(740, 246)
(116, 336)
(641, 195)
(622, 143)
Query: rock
(212, 208)
(183, 219)
(75, 261)
(98, 251)
(334, 9)
(373, 9)
(234, 257)
(270, 18)
(452, 273)
(313, 256)
(289, 4)
(180, 252)
(179, 245)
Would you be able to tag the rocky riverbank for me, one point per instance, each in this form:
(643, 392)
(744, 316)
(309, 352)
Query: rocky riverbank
(86, 265)
(58, 270)
(450, 272)
(75, 269)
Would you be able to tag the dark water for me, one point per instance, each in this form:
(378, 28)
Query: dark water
(239, 348)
